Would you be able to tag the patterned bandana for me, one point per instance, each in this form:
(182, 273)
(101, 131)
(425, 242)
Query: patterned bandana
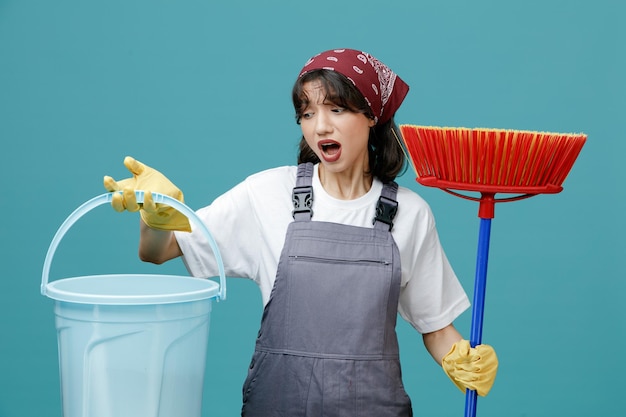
(383, 90)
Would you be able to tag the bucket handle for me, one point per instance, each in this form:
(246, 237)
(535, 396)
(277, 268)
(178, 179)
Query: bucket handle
(106, 198)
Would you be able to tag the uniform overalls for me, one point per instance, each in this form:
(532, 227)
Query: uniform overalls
(327, 344)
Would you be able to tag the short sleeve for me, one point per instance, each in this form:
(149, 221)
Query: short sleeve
(232, 223)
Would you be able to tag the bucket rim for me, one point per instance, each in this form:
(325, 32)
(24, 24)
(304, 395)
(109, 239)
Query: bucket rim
(202, 289)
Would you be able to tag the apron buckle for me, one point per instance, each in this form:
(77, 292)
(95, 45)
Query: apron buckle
(302, 198)
(386, 210)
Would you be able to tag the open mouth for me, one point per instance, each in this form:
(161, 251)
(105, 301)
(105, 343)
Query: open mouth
(330, 149)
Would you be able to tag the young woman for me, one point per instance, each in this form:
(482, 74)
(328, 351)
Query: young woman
(337, 249)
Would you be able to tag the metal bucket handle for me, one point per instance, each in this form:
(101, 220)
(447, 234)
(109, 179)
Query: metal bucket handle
(106, 198)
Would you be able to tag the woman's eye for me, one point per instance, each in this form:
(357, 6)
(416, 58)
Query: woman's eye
(306, 115)
(338, 110)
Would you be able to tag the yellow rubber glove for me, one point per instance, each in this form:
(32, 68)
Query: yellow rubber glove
(474, 368)
(156, 216)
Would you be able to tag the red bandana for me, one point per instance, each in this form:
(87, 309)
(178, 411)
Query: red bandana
(381, 87)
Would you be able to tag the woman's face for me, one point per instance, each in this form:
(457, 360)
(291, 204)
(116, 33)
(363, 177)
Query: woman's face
(338, 136)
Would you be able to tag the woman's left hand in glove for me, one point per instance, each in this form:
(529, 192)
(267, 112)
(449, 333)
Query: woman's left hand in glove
(472, 368)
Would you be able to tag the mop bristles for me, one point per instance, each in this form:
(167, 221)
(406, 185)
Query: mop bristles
(491, 160)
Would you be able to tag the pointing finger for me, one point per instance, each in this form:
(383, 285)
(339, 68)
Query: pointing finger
(134, 165)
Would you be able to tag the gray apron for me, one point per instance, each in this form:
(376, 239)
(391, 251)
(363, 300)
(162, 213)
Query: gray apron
(327, 344)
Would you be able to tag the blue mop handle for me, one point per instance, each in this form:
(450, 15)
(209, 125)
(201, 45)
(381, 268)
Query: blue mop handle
(480, 285)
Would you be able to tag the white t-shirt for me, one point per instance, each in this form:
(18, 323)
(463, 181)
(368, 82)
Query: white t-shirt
(249, 224)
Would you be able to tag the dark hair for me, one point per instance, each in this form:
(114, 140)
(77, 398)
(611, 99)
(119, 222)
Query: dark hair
(386, 157)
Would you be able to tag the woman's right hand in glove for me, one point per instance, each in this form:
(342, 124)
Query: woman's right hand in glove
(156, 216)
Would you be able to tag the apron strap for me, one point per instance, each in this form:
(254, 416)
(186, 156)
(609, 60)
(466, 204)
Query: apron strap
(387, 206)
(302, 195)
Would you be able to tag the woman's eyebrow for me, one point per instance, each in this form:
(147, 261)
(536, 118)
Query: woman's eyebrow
(332, 100)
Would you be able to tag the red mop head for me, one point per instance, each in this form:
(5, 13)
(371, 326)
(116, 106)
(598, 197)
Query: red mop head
(491, 161)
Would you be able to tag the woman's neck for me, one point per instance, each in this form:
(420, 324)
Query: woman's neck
(345, 185)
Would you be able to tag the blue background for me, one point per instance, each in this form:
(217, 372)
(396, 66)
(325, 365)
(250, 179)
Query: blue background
(201, 91)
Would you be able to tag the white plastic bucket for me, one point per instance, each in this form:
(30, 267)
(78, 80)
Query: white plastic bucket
(132, 345)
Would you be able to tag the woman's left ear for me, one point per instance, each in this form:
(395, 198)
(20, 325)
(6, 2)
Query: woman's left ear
(372, 122)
